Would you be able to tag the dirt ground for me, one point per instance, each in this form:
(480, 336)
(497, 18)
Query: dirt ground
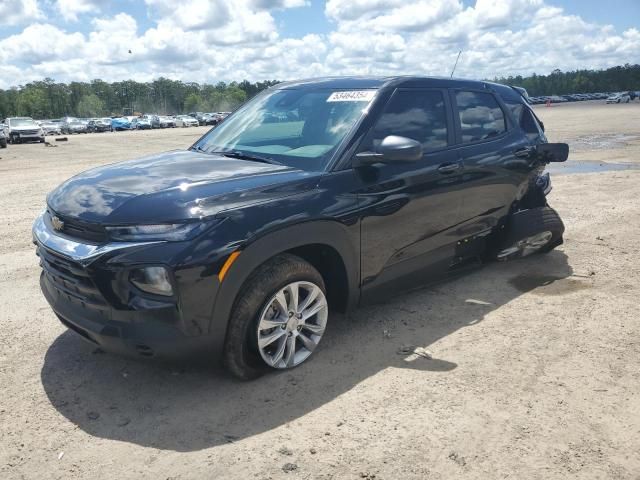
(535, 371)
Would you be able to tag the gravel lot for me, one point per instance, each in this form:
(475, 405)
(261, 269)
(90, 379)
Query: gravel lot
(535, 371)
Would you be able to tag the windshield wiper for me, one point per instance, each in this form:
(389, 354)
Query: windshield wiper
(246, 156)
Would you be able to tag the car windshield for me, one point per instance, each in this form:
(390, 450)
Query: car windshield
(22, 122)
(296, 127)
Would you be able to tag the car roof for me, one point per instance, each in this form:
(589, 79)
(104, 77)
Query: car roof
(367, 82)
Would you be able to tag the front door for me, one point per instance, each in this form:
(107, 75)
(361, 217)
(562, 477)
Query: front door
(410, 210)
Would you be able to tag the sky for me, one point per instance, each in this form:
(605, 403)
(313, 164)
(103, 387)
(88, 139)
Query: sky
(225, 40)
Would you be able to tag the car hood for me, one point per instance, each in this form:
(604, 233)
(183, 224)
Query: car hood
(174, 186)
(24, 127)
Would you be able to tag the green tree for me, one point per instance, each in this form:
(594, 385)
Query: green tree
(192, 103)
(31, 102)
(90, 106)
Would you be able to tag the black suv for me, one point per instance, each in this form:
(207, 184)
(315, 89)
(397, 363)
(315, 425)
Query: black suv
(315, 194)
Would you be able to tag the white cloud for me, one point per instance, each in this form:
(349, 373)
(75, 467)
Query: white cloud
(390, 15)
(16, 12)
(41, 42)
(498, 37)
(70, 9)
(212, 40)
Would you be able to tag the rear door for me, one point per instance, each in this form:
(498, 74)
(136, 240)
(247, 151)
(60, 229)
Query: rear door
(495, 155)
(410, 209)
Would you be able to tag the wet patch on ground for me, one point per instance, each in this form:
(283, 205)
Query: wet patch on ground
(605, 141)
(585, 166)
(548, 284)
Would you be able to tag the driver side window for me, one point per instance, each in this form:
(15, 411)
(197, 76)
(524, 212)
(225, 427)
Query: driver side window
(420, 115)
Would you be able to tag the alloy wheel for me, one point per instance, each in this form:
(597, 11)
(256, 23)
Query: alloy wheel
(292, 324)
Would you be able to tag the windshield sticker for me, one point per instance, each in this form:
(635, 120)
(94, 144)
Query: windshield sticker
(352, 96)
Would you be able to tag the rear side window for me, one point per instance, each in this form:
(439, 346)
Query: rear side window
(420, 115)
(480, 116)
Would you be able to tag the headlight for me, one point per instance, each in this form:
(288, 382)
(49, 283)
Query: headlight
(171, 232)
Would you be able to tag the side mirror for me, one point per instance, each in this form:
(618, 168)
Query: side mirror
(553, 152)
(392, 149)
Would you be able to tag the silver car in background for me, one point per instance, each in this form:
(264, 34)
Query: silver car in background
(22, 129)
(186, 121)
(3, 138)
(50, 127)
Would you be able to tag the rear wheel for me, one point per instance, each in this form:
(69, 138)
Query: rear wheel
(537, 230)
(278, 319)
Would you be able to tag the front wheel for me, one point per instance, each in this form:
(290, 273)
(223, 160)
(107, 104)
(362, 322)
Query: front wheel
(278, 319)
(537, 230)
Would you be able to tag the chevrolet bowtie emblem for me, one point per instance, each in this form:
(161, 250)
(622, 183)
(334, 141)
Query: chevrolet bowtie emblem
(57, 224)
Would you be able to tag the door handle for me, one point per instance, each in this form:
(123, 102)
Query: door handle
(523, 152)
(449, 167)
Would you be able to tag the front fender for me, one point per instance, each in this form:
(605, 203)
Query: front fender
(259, 250)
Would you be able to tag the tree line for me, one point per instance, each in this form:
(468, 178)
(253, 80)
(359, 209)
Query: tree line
(614, 79)
(51, 99)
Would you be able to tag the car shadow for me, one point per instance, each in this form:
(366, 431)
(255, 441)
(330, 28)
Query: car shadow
(192, 408)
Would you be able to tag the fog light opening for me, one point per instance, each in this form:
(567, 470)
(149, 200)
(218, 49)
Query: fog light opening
(152, 280)
(144, 350)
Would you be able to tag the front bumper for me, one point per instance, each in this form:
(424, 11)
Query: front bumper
(87, 287)
(27, 135)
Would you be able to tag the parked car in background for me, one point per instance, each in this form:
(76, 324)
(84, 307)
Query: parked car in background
(223, 115)
(148, 119)
(49, 127)
(22, 129)
(155, 121)
(166, 121)
(237, 247)
(203, 118)
(120, 123)
(75, 126)
(97, 125)
(207, 119)
(3, 138)
(141, 123)
(186, 121)
(65, 122)
(619, 98)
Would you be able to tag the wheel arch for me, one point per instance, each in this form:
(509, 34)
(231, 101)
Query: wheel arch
(325, 244)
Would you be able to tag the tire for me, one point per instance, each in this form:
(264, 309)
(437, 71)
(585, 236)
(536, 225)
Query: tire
(537, 230)
(3, 143)
(243, 357)
(42, 140)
